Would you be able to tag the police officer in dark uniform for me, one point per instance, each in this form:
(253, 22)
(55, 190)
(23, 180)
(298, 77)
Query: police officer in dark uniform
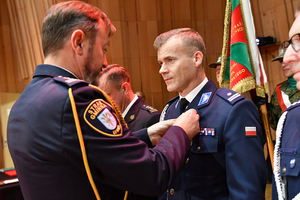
(67, 138)
(115, 81)
(226, 157)
(285, 93)
(286, 153)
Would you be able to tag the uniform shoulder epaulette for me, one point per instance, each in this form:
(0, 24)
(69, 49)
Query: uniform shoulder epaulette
(230, 96)
(71, 81)
(148, 108)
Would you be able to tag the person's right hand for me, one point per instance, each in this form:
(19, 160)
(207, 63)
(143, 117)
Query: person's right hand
(189, 122)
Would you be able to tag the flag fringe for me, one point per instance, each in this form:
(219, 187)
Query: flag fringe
(223, 82)
(245, 85)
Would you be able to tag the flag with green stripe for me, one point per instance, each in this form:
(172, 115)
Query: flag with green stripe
(241, 68)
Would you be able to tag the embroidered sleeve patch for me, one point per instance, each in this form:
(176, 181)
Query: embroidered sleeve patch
(250, 131)
(98, 116)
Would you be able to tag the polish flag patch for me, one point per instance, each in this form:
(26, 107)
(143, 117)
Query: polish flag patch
(250, 131)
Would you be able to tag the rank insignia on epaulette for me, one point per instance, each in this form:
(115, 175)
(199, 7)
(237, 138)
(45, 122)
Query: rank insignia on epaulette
(150, 108)
(207, 131)
(204, 98)
(98, 116)
(231, 98)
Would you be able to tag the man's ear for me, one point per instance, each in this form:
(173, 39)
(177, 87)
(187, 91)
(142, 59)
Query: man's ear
(77, 41)
(198, 58)
(126, 87)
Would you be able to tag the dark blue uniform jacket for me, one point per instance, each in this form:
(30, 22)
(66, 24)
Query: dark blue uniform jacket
(44, 145)
(289, 153)
(226, 157)
(141, 115)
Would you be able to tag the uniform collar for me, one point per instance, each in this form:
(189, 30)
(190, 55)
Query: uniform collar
(53, 71)
(129, 106)
(190, 96)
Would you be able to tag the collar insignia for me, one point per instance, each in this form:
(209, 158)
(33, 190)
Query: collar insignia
(204, 98)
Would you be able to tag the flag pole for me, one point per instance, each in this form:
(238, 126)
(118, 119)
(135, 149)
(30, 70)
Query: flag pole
(264, 112)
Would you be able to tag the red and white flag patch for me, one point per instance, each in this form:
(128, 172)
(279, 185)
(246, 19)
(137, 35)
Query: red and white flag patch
(250, 131)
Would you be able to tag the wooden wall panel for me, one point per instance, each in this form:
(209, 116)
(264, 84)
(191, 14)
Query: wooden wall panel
(273, 18)
(138, 22)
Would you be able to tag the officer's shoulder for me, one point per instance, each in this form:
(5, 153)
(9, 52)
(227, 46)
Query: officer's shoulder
(149, 108)
(230, 96)
(70, 82)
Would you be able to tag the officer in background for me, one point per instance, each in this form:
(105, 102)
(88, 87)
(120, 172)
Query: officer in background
(68, 140)
(226, 157)
(217, 66)
(287, 148)
(284, 94)
(115, 81)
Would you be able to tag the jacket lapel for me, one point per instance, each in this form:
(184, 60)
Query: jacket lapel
(133, 111)
(205, 96)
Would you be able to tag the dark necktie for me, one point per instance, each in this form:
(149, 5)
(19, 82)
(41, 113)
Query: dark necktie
(183, 104)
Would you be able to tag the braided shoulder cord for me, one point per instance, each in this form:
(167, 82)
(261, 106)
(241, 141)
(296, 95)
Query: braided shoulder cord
(277, 176)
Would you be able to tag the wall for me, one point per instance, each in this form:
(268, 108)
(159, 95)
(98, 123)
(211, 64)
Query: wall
(6, 102)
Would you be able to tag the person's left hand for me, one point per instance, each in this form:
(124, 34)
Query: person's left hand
(158, 130)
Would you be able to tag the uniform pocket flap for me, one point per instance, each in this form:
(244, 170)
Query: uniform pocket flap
(205, 144)
(290, 165)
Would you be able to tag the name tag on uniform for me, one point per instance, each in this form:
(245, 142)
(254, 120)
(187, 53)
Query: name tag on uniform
(288, 151)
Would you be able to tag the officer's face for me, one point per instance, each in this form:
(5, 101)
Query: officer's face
(96, 58)
(292, 57)
(177, 66)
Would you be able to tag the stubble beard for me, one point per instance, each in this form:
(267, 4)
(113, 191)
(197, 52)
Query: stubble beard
(90, 75)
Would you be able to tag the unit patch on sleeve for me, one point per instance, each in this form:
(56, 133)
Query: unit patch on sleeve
(98, 116)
